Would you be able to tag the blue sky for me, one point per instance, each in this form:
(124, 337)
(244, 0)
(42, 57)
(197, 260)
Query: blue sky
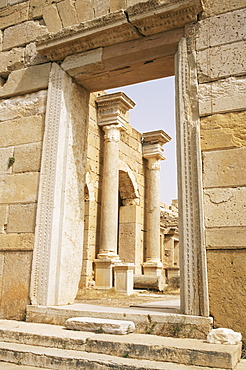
(154, 110)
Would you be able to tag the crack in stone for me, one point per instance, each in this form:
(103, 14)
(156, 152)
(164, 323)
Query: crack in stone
(136, 28)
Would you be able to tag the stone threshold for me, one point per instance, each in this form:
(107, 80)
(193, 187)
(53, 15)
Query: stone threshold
(147, 321)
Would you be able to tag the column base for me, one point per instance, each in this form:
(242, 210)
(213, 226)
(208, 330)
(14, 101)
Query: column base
(104, 271)
(153, 268)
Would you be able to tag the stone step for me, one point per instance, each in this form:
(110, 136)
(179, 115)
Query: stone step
(62, 359)
(138, 347)
(149, 321)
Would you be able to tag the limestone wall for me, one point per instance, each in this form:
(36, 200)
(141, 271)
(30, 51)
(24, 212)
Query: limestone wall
(222, 101)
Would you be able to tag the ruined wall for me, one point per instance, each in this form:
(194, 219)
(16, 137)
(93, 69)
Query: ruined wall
(222, 85)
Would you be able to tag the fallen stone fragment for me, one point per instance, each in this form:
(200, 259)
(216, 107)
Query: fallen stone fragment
(100, 325)
(224, 336)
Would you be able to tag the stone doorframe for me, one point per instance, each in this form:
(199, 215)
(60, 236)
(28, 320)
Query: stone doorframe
(143, 44)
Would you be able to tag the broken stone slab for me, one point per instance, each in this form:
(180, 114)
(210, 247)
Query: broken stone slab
(96, 325)
(224, 336)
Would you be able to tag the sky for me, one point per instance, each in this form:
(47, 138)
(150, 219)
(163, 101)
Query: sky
(155, 110)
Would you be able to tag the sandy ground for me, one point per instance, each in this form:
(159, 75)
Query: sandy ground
(111, 298)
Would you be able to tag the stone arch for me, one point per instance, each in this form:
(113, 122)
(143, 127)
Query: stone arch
(128, 187)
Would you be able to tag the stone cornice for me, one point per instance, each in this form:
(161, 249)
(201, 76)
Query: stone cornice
(151, 17)
(153, 137)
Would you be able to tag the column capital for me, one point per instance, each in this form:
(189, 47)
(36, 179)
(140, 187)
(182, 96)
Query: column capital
(112, 109)
(112, 132)
(153, 142)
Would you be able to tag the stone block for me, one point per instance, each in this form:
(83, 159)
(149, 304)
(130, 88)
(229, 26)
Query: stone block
(52, 18)
(225, 207)
(22, 218)
(19, 188)
(215, 7)
(5, 154)
(22, 34)
(67, 13)
(101, 7)
(85, 10)
(14, 2)
(15, 285)
(26, 80)
(222, 96)
(13, 15)
(224, 168)
(123, 278)
(11, 60)
(32, 57)
(117, 4)
(27, 158)
(3, 3)
(224, 29)
(23, 106)
(103, 273)
(231, 63)
(100, 325)
(224, 336)
(16, 242)
(22, 131)
(3, 217)
(221, 131)
(130, 214)
(84, 63)
(226, 238)
(226, 295)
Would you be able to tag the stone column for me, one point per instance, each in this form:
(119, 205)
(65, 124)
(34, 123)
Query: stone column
(112, 117)
(153, 152)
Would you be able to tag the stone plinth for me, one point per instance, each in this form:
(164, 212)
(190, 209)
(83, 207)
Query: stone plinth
(123, 278)
(104, 273)
(153, 152)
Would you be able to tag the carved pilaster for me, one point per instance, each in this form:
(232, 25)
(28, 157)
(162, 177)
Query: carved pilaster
(194, 289)
(59, 225)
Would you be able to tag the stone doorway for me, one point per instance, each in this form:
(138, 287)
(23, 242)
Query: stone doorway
(96, 62)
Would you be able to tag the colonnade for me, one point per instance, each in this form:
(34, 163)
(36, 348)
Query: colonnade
(112, 117)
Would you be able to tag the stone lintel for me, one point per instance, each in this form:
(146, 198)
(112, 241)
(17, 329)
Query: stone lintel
(150, 18)
(112, 109)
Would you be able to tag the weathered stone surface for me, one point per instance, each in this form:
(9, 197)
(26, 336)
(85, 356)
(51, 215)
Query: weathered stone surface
(100, 325)
(52, 18)
(224, 29)
(84, 63)
(11, 60)
(85, 10)
(16, 242)
(117, 4)
(23, 106)
(222, 96)
(227, 295)
(15, 285)
(231, 63)
(221, 131)
(101, 8)
(32, 57)
(215, 7)
(27, 158)
(26, 80)
(225, 207)
(22, 131)
(19, 188)
(3, 3)
(5, 154)
(224, 168)
(226, 238)
(22, 34)
(67, 13)
(13, 15)
(224, 336)
(22, 218)
(3, 218)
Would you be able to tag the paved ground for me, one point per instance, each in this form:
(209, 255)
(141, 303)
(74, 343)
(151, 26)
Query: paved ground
(8, 366)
